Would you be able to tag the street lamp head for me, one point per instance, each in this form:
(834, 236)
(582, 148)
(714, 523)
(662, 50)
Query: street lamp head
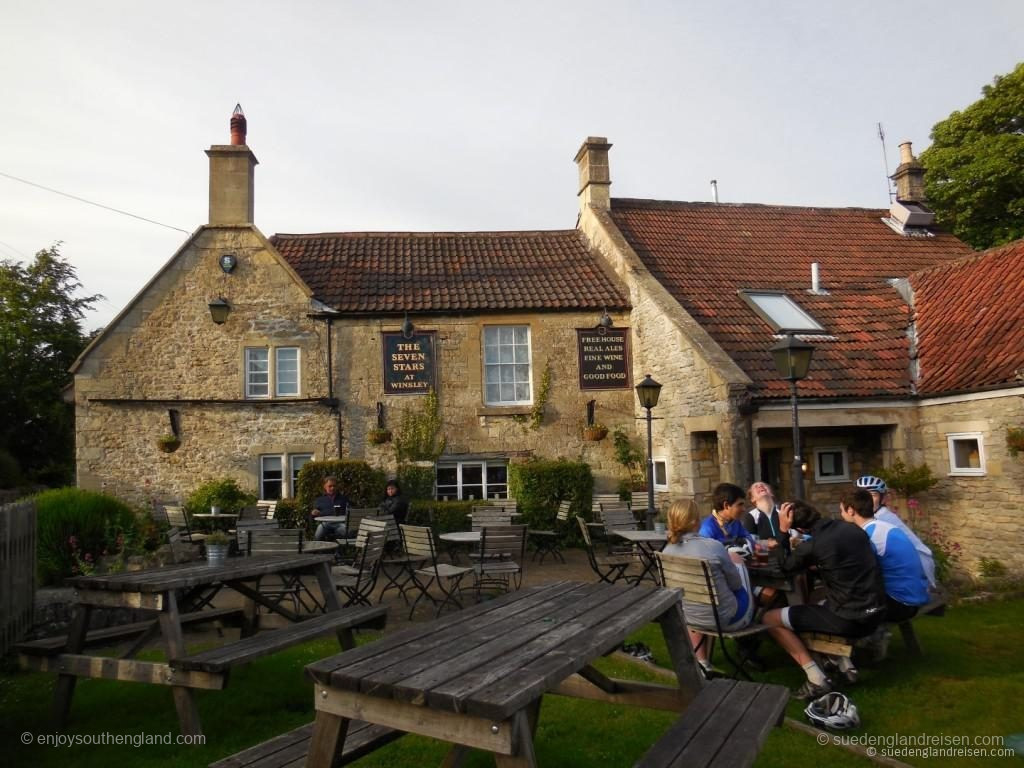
(648, 391)
(792, 357)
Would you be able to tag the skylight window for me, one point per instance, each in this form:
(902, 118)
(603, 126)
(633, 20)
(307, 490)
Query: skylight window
(781, 312)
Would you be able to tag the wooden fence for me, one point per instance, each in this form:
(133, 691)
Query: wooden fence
(17, 571)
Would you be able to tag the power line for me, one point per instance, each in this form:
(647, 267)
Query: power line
(90, 202)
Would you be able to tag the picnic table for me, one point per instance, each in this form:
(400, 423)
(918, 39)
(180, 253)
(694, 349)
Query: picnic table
(475, 678)
(179, 594)
(647, 543)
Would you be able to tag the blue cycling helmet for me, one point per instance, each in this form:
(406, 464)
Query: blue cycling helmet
(872, 483)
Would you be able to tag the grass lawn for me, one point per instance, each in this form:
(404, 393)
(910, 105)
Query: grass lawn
(967, 684)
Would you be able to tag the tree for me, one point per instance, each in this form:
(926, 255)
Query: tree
(40, 337)
(975, 166)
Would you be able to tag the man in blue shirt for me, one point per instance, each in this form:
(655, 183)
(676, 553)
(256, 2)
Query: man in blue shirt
(727, 503)
(906, 585)
(333, 502)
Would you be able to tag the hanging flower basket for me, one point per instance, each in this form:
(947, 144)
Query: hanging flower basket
(168, 443)
(379, 436)
(595, 432)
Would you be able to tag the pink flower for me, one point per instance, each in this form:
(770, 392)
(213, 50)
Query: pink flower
(88, 557)
(913, 503)
(73, 541)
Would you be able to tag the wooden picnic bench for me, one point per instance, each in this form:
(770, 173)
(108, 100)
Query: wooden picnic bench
(289, 750)
(726, 725)
(172, 593)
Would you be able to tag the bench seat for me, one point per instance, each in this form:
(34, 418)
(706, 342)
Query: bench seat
(53, 646)
(266, 643)
(726, 725)
(289, 750)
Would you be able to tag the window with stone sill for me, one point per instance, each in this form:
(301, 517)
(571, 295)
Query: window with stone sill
(465, 480)
(507, 365)
(660, 474)
(274, 483)
(831, 465)
(264, 365)
(966, 453)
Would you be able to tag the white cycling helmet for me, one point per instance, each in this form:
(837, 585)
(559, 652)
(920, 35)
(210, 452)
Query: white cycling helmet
(833, 710)
(872, 483)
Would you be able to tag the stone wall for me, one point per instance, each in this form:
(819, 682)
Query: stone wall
(982, 513)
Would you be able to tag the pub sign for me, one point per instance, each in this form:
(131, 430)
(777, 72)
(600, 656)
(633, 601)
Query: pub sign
(604, 357)
(409, 363)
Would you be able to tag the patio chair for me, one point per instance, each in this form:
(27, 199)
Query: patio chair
(693, 575)
(177, 517)
(267, 540)
(251, 513)
(357, 581)
(394, 565)
(599, 499)
(502, 558)
(268, 507)
(490, 515)
(418, 542)
(609, 568)
(617, 517)
(353, 519)
(549, 542)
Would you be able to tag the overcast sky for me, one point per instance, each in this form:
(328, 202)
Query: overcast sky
(428, 115)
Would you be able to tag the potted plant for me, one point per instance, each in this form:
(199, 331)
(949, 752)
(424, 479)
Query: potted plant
(594, 432)
(217, 544)
(1015, 440)
(168, 443)
(379, 435)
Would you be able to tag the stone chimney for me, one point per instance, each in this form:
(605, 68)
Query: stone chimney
(909, 176)
(232, 170)
(595, 178)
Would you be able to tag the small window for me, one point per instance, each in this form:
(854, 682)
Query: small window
(660, 474)
(781, 312)
(966, 453)
(271, 477)
(507, 379)
(286, 371)
(831, 465)
(257, 372)
(467, 480)
(297, 462)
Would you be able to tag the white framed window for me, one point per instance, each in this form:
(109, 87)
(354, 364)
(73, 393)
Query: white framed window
(507, 368)
(660, 474)
(831, 465)
(279, 474)
(465, 480)
(966, 453)
(282, 368)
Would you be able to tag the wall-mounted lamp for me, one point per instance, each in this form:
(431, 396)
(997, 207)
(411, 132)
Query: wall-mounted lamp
(228, 261)
(605, 321)
(219, 310)
(407, 327)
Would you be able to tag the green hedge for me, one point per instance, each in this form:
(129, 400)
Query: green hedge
(538, 485)
(416, 482)
(76, 528)
(361, 483)
(290, 515)
(447, 515)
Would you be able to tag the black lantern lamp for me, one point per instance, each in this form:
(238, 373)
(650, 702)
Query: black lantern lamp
(605, 322)
(219, 310)
(793, 360)
(648, 391)
(407, 327)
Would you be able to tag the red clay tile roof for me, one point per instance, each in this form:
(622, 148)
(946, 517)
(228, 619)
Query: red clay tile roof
(703, 253)
(970, 321)
(383, 272)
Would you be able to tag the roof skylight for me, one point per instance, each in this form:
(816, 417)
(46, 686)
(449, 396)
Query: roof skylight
(781, 312)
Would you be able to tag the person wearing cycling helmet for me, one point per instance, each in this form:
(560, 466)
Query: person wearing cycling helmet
(877, 488)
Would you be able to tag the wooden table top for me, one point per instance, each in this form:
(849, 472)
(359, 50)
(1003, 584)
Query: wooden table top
(213, 516)
(494, 658)
(186, 575)
(461, 537)
(642, 536)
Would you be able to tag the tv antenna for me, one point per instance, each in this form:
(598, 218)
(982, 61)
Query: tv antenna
(885, 162)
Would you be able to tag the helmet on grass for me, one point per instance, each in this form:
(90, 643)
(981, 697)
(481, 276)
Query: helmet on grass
(872, 483)
(833, 710)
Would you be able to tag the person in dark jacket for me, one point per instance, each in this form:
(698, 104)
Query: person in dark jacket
(854, 605)
(763, 519)
(333, 502)
(394, 503)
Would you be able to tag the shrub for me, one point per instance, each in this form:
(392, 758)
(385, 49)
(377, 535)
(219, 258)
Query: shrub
(75, 528)
(416, 482)
(538, 485)
(290, 515)
(224, 493)
(447, 515)
(419, 435)
(907, 481)
(361, 483)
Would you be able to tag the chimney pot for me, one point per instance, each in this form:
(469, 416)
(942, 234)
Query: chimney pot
(238, 127)
(906, 153)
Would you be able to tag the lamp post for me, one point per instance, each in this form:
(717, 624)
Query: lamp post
(648, 392)
(792, 360)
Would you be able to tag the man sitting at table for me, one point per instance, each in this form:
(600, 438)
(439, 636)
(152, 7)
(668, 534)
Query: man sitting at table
(854, 602)
(878, 489)
(724, 523)
(333, 502)
(763, 519)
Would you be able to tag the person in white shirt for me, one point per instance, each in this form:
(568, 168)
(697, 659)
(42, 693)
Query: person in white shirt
(877, 488)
